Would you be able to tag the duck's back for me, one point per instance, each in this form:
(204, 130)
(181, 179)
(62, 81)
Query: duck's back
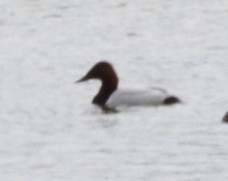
(150, 96)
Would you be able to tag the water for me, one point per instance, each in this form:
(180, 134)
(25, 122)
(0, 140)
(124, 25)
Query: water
(50, 131)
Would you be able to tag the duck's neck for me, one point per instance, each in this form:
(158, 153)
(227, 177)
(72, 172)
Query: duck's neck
(108, 86)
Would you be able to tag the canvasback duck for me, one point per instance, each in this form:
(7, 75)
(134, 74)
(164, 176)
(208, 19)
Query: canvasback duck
(225, 118)
(110, 95)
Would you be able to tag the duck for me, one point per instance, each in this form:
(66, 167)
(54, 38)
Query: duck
(225, 118)
(111, 96)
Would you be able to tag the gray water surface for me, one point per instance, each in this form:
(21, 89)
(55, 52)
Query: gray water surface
(49, 130)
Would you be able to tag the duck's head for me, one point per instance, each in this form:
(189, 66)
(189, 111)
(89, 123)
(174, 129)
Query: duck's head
(102, 70)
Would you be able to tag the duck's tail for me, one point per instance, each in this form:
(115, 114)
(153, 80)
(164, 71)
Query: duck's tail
(171, 100)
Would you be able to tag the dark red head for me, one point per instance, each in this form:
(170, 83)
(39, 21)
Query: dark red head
(105, 72)
(102, 70)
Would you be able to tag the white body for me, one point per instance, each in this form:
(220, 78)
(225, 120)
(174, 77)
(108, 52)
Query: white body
(150, 96)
